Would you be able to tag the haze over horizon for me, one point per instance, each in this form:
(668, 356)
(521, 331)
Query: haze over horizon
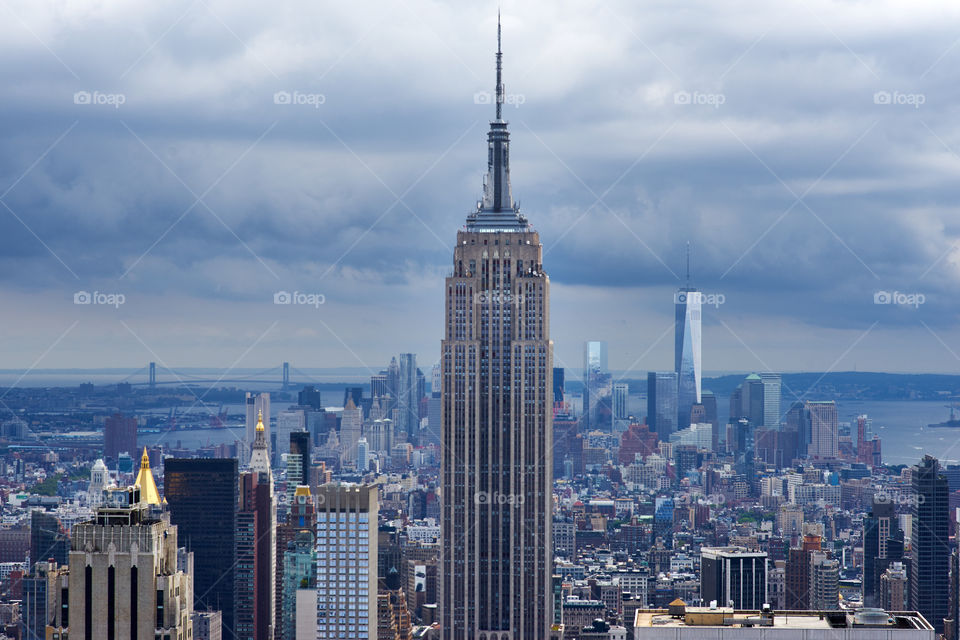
(197, 159)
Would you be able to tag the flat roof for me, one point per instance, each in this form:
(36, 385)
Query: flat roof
(650, 618)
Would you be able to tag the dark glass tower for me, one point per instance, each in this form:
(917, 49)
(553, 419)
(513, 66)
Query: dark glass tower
(48, 540)
(930, 570)
(203, 496)
(300, 445)
(882, 545)
(496, 407)
(662, 403)
(733, 574)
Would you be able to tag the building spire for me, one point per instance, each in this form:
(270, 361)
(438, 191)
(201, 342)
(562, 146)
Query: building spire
(497, 211)
(688, 263)
(146, 482)
(499, 71)
(259, 455)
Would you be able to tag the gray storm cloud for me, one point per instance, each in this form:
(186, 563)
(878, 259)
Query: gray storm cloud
(199, 157)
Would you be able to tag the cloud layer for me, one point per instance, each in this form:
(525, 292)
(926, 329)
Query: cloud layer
(199, 156)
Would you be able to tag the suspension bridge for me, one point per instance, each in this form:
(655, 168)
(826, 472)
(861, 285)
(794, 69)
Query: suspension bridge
(148, 377)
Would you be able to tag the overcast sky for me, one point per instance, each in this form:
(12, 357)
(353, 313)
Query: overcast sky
(199, 157)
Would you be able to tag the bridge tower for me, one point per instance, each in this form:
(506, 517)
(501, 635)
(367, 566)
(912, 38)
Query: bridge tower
(153, 375)
(286, 376)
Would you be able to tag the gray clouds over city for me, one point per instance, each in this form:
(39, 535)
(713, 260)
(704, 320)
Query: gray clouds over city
(197, 158)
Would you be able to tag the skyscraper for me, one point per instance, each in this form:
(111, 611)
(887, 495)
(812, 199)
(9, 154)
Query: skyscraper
(433, 433)
(119, 436)
(256, 404)
(48, 539)
(497, 363)
(930, 543)
(299, 573)
(621, 396)
(363, 455)
(709, 402)
(301, 518)
(824, 436)
(378, 385)
(43, 606)
(771, 400)
(882, 545)
(408, 399)
(894, 595)
(558, 392)
(346, 561)
(747, 401)
(824, 583)
(289, 421)
(733, 575)
(310, 397)
(203, 497)
(662, 403)
(597, 387)
(128, 579)
(686, 348)
(351, 428)
(298, 461)
(256, 546)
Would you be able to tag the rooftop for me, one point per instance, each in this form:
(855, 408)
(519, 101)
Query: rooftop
(724, 617)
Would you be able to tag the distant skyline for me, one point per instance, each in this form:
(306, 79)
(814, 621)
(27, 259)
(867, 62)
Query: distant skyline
(200, 158)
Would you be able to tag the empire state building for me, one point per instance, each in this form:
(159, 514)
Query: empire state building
(497, 369)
